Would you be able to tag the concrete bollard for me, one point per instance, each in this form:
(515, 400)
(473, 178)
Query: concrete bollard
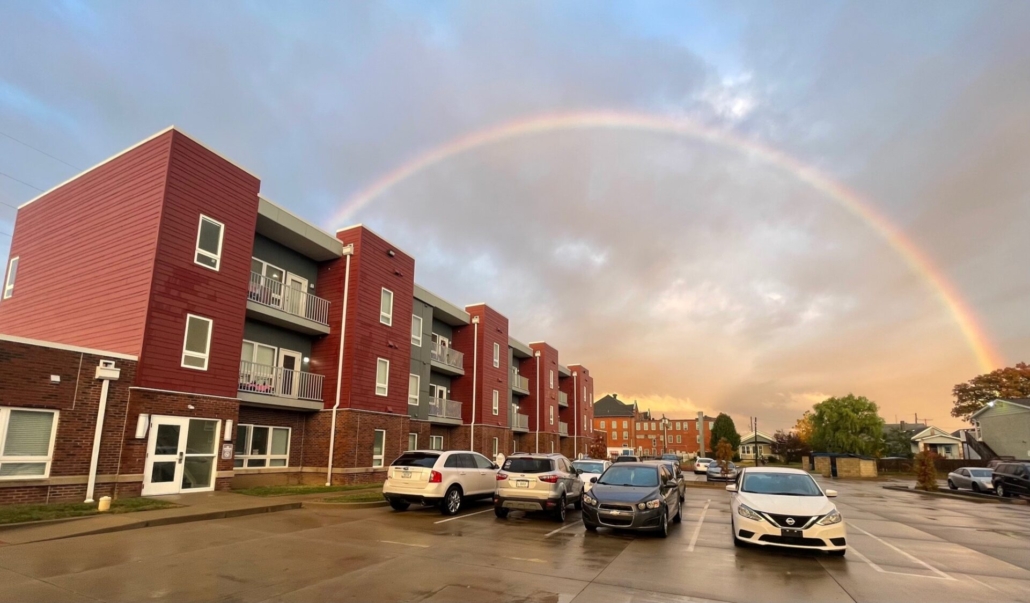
(105, 504)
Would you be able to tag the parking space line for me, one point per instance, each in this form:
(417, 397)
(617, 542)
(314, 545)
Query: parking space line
(912, 557)
(547, 535)
(697, 530)
(490, 510)
(422, 546)
(854, 551)
(982, 583)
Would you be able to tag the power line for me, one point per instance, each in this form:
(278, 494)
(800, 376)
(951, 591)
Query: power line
(22, 182)
(38, 150)
(6, 233)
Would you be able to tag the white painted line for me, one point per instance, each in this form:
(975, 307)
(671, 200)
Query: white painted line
(697, 530)
(547, 535)
(490, 510)
(855, 551)
(530, 560)
(982, 583)
(912, 557)
(422, 546)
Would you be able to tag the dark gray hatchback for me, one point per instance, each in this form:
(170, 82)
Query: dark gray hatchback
(633, 496)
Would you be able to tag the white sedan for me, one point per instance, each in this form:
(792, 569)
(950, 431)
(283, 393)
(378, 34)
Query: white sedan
(774, 506)
(590, 468)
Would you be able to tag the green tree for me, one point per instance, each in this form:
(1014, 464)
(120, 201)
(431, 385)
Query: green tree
(849, 424)
(722, 428)
(897, 442)
(803, 428)
(1009, 382)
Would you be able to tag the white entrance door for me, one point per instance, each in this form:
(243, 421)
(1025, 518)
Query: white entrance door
(289, 380)
(181, 455)
(295, 301)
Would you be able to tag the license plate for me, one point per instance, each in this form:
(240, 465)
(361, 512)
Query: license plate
(522, 483)
(405, 475)
(791, 533)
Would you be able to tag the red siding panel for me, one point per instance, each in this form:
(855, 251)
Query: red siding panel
(493, 328)
(548, 360)
(87, 254)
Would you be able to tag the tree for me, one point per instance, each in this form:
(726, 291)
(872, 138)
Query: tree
(723, 428)
(723, 454)
(971, 396)
(788, 446)
(803, 428)
(926, 471)
(897, 442)
(850, 424)
(597, 448)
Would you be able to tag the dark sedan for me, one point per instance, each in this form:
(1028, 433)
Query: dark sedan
(716, 473)
(633, 496)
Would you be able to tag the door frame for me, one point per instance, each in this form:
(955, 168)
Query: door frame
(184, 423)
(295, 377)
(300, 304)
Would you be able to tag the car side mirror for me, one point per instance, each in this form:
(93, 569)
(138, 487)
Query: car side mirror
(495, 467)
(831, 494)
(593, 480)
(731, 488)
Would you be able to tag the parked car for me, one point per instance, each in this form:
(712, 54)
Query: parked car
(701, 464)
(1012, 479)
(589, 469)
(435, 477)
(537, 482)
(715, 472)
(977, 479)
(674, 470)
(775, 506)
(633, 496)
(626, 458)
(671, 457)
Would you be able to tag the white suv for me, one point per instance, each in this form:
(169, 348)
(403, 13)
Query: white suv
(435, 477)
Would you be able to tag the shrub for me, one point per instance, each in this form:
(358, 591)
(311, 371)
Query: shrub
(926, 471)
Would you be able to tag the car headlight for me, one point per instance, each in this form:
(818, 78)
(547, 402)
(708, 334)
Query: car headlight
(746, 511)
(651, 504)
(589, 500)
(831, 518)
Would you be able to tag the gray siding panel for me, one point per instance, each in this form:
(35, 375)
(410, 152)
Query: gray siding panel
(280, 338)
(420, 360)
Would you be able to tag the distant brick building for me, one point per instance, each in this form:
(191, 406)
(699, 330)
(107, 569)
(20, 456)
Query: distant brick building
(632, 431)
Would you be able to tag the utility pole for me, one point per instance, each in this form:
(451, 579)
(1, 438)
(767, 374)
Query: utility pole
(701, 433)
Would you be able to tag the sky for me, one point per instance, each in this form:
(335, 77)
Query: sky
(687, 275)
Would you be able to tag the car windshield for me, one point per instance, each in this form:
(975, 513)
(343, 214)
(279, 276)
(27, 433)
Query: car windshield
(714, 466)
(704, 460)
(589, 467)
(980, 472)
(527, 465)
(786, 484)
(416, 459)
(626, 459)
(643, 477)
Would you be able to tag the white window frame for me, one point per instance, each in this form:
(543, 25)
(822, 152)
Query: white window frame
(602, 424)
(497, 355)
(268, 456)
(206, 356)
(5, 417)
(12, 274)
(436, 442)
(550, 412)
(418, 386)
(625, 424)
(378, 459)
(552, 378)
(386, 317)
(385, 386)
(217, 257)
(625, 435)
(497, 447)
(496, 402)
(416, 340)
(410, 446)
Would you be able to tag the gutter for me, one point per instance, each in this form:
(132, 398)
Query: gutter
(348, 251)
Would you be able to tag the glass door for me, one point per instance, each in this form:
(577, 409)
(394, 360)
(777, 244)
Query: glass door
(200, 458)
(181, 455)
(295, 292)
(289, 363)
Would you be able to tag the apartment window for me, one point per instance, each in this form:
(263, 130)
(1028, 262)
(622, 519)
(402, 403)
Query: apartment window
(26, 442)
(12, 271)
(602, 424)
(416, 330)
(625, 435)
(584, 422)
(261, 446)
(209, 243)
(386, 307)
(679, 439)
(382, 376)
(647, 427)
(637, 425)
(711, 424)
(497, 402)
(550, 410)
(552, 378)
(497, 355)
(197, 342)
(412, 441)
(654, 427)
(585, 393)
(435, 442)
(378, 446)
(625, 424)
(496, 446)
(678, 426)
(413, 383)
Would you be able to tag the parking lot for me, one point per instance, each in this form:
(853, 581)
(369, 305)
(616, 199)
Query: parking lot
(903, 547)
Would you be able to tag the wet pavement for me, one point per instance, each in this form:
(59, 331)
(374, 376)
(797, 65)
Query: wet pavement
(904, 547)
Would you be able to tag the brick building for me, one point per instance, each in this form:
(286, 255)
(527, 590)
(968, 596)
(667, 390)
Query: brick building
(280, 352)
(632, 431)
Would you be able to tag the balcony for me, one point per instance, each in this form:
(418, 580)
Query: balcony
(270, 300)
(519, 384)
(446, 360)
(563, 399)
(447, 412)
(563, 429)
(279, 387)
(520, 423)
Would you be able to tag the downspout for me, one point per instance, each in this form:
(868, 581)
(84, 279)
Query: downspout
(108, 373)
(539, 402)
(575, 414)
(475, 366)
(347, 251)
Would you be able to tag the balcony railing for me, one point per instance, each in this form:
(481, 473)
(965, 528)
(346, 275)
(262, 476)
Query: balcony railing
(447, 356)
(520, 421)
(279, 381)
(447, 409)
(519, 382)
(274, 293)
(563, 428)
(563, 399)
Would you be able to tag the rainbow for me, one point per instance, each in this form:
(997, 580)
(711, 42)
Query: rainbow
(980, 345)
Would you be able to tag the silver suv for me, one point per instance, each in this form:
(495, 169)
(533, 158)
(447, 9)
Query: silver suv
(537, 482)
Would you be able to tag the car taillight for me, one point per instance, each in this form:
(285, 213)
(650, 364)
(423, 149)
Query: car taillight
(502, 477)
(551, 479)
(435, 477)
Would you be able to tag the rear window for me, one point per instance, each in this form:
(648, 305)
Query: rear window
(980, 472)
(416, 459)
(528, 465)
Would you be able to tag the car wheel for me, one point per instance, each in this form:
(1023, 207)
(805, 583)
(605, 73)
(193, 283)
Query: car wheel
(451, 501)
(399, 505)
(1000, 489)
(559, 513)
(663, 528)
(678, 517)
(501, 513)
(952, 485)
(589, 526)
(976, 487)
(839, 553)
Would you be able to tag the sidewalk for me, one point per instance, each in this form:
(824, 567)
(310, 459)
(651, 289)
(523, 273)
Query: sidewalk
(195, 507)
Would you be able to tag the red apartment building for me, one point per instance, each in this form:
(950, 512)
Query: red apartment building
(218, 339)
(632, 431)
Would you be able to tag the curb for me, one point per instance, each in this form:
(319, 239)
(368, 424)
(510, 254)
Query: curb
(44, 522)
(971, 497)
(318, 504)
